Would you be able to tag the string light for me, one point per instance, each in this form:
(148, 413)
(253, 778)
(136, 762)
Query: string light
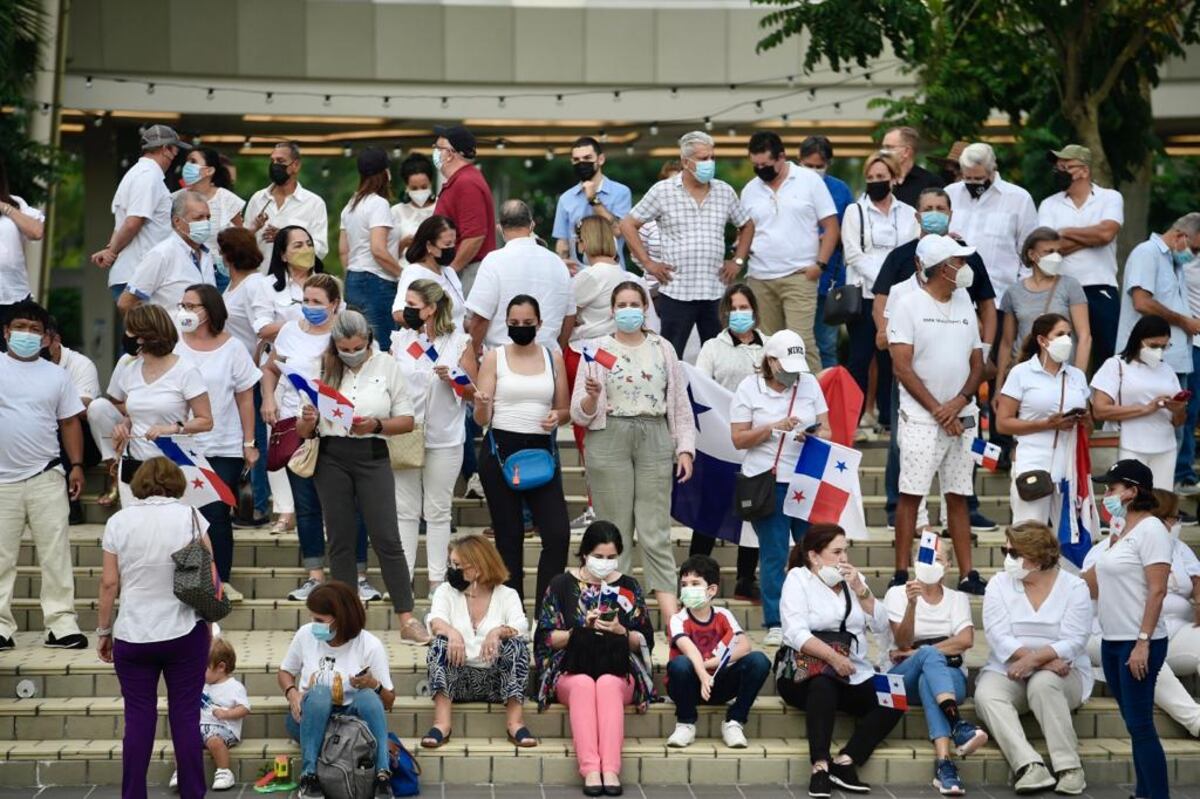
(210, 95)
(328, 101)
(812, 93)
(837, 108)
(98, 121)
(549, 154)
(500, 101)
(758, 106)
(396, 153)
(387, 102)
(529, 163)
(733, 87)
(87, 82)
(708, 125)
(558, 99)
(445, 102)
(732, 132)
(653, 128)
(347, 152)
(45, 109)
(270, 97)
(791, 80)
(325, 171)
(617, 96)
(500, 144)
(603, 136)
(674, 92)
(784, 118)
(149, 88)
(629, 150)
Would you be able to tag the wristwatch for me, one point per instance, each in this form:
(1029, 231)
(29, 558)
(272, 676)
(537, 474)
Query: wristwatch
(822, 265)
(248, 445)
(103, 632)
(740, 261)
(1143, 636)
(594, 201)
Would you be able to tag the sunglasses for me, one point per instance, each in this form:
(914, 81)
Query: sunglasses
(1009, 552)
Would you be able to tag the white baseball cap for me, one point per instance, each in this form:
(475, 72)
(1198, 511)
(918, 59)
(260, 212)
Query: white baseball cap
(934, 249)
(789, 349)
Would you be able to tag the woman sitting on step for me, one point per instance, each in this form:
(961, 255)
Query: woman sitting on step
(593, 654)
(480, 649)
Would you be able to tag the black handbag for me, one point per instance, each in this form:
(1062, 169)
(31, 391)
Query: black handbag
(1037, 484)
(798, 667)
(596, 653)
(754, 497)
(845, 303)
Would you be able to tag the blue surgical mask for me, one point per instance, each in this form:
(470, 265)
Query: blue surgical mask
(200, 231)
(1114, 506)
(705, 170)
(741, 321)
(24, 344)
(315, 314)
(190, 174)
(322, 631)
(935, 222)
(1182, 257)
(630, 319)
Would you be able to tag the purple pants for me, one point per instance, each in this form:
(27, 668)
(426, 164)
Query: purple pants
(181, 663)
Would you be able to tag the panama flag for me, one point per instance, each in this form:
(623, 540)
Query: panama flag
(330, 404)
(422, 347)
(705, 503)
(927, 553)
(1078, 519)
(890, 691)
(985, 454)
(203, 485)
(824, 488)
(459, 380)
(600, 356)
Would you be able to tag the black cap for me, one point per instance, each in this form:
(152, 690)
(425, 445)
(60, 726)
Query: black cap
(1134, 473)
(461, 139)
(372, 161)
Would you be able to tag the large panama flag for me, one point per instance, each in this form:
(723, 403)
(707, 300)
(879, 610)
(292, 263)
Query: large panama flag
(824, 487)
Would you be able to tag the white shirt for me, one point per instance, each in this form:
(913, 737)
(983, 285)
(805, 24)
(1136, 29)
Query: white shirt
(1136, 384)
(757, 403)
(996, 226)
(251, 307)
(406, 218)
(503, 610)
(357, 222)
(223, 207)
(1121, 579)
(868, 235)
(1091, 266)
(786, 222)
(37, 395)
(302, 353)
(169, 267)
(435, 404)
(165, 401)
(521, 267)
(943, 336)
(227, 694)
(143, 193)
(315, 662)
(82, 372)
(301, 207)
(806, 605)
(592, 289)
(447, 278)
(1177, 609)
(1064, 622)
(14, 277)
(227, 370)
(1039, 394)
(1191, 284)
(946, 619)
(143, 536)
(728, 361)
(377, 390)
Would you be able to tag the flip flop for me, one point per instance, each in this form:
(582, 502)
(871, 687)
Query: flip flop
(438, 738)
(522, 738)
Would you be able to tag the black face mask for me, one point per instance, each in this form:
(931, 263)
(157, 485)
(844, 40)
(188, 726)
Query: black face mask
(584, 170)
(455, 578)
(279, 174)
(522, 334)
(766, 173)
(1062, 180)
(976, 190)
(129, 345)
(446, 258)
(412, 318)
(878, 189)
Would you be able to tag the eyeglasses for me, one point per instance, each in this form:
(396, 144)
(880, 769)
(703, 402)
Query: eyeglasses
(190, 306)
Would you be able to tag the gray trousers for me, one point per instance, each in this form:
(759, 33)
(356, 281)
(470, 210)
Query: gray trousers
(356, 474)
(1000, 702)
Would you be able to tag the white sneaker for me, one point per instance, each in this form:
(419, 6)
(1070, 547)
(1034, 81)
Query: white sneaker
(474, 488)
(174, 781)
(581, 521)
(223, 780)
(366, 591)
(684, 736)
(232, 594)
(774, 637)
(733, 735)
(301, 593)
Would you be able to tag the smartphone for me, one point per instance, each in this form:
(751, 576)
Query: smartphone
(363, 673)
(1182, 396)
(968, 422)
(609, 615)
(1074, 412)
(812, 428)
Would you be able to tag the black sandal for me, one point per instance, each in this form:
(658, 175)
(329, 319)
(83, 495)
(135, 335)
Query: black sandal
(522, 738)
(438, 738)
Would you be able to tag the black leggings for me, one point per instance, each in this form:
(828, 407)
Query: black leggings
(821, 697)
(546, 504)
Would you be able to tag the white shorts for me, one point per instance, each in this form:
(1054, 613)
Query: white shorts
(926, 450)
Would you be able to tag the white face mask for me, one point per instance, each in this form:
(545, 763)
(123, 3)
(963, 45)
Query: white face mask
(1059, 349)
(830, 575)
(601, 568)
(930, 573)
(964, 278)
(419, 196)
(1015, 568)
(1050, 263)
(188, 321)
(1151, 356)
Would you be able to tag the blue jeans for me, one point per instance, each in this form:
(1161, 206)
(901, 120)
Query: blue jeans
(773, 544)
(310, 525)
(220, 516)
(258, 474)
(373, 296)
(926, 677)
(1135, 698)
(1104, 312)
(826, 336)
(740, 681)
(1184, 468)
(315, 709)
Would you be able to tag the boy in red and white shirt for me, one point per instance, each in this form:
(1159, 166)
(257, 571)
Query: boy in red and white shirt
(710, 660)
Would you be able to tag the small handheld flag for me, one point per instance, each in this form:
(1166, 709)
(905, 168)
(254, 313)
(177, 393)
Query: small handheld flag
(459, 380)
(825, 487)
(985, 454)
(422, 348)
(890, 691)
(330, 404)
(929, 547)
(600, 356)
(204, 487)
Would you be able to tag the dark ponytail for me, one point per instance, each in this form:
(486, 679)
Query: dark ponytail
(1041, 327)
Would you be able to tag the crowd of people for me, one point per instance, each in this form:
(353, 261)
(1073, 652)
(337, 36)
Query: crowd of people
(464, 344)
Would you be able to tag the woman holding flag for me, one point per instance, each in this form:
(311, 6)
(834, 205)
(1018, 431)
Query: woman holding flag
(437, 386)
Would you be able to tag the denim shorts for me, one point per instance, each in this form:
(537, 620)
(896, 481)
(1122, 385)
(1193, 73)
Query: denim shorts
(218, 731)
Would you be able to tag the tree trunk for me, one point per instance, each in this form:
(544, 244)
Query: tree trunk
(1136, 192)
(1085, 119)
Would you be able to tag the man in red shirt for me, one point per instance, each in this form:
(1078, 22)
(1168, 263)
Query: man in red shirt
(466, 199)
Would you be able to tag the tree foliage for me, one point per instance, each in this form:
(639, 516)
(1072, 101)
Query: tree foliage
(31, 167)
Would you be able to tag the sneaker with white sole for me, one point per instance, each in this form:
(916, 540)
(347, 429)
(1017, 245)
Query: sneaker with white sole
(223, 780)
(581, 521)
(967, 737)
(231, 593)
(774, 637)
(1071, 782)
(733, 735)
(367, 592)
(684, 736)
(474, 488)
(301, 593)
(946, 779)
(1033, 778)
(174, 781)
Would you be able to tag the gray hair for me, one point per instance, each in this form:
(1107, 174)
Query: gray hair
(292, 147)
(515, 215)
(349, 324)
(976, 155)
(688, 142)
(1188, 223)
(179, 204)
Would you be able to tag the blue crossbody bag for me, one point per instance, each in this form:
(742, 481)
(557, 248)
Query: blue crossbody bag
(527, 469)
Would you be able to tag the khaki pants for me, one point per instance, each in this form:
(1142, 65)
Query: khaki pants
(1000, 702)
(630, 466)
(789, 302)
(41, 503)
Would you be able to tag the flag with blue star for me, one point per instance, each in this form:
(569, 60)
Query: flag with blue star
(825, 489)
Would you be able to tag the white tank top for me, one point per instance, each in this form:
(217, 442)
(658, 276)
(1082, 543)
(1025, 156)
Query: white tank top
(522, 401)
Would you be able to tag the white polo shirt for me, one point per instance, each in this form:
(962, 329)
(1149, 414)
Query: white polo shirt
(942, 335)
(37, 395)
(1121, 578)
(227, 370)
(786, 222)
(1038, 394)
(301, 207)
(143, 193)
(996, 226)
(14, 277)
(1136, 384)
(82, 372)
(251, 307)
(757, 403)
(167, 270)
(521, 266)
(1091, 266)
(358, 221)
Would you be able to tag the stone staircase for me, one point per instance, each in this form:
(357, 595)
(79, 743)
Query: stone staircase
(61, 713)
